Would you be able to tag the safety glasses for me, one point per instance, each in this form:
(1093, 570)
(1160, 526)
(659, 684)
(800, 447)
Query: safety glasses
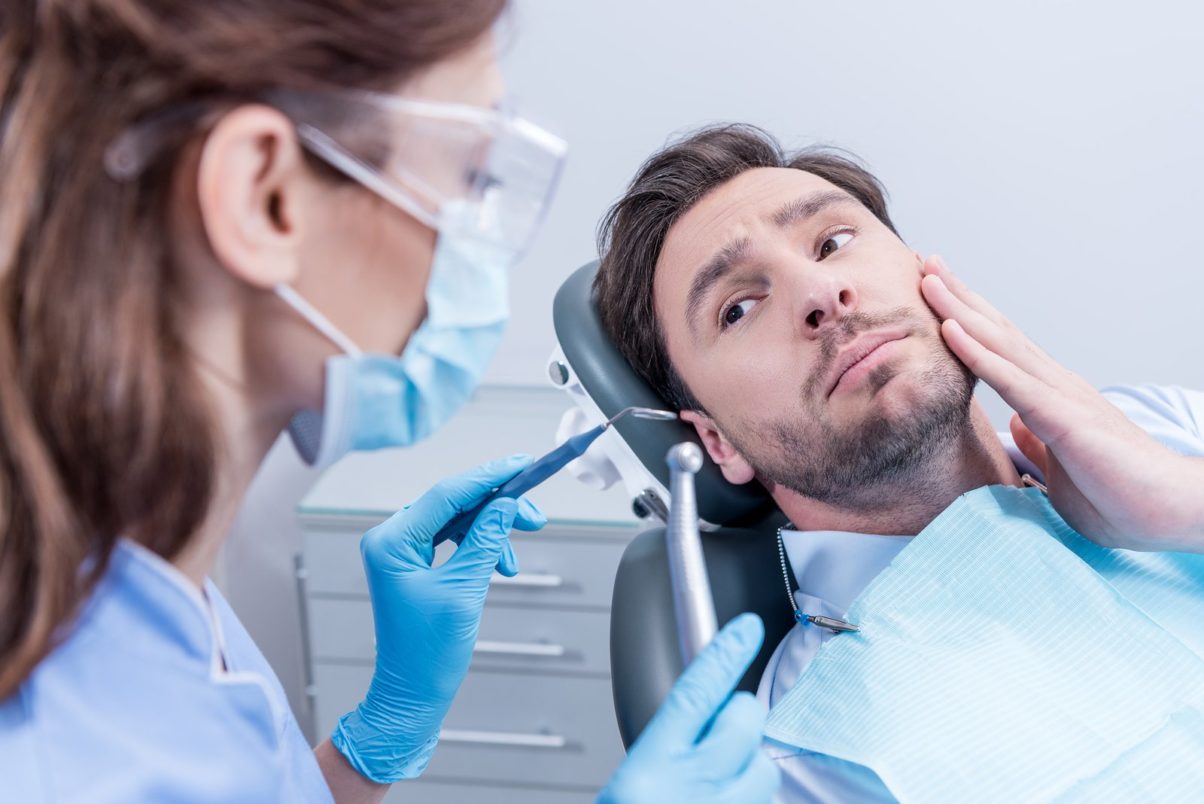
(480, 172)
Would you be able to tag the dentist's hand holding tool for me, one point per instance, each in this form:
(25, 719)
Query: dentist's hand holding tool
(1107, 477)
(427, 617)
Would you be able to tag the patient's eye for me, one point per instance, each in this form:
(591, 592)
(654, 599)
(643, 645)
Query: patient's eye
(737, 311)
(834, 242)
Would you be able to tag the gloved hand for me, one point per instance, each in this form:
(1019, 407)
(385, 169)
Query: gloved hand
(426, 618)
(703, 744)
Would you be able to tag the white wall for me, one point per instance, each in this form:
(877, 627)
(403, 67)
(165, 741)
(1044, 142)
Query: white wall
(1050, 150)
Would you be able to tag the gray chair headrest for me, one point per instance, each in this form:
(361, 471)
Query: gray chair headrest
(613, 385)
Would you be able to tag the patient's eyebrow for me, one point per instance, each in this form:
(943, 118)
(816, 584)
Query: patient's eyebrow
(716, 268)
(808, 206)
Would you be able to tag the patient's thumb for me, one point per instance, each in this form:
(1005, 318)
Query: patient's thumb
(1032, 447)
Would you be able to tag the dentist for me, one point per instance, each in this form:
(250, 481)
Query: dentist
(220, 220)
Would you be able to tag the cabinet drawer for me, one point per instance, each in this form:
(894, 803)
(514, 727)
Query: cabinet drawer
(504, 727)
(558, 566)
(539, 639)
(426, 791)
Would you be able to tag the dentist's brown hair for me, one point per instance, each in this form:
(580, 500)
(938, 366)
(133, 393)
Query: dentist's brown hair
(104, 429)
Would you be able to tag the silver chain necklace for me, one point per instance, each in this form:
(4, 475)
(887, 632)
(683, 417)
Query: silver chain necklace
(831, 623)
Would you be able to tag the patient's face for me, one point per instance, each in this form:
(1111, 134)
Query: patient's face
(766, 290)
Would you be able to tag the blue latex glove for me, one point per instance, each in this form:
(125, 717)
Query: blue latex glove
(426, 618)
(703, 745)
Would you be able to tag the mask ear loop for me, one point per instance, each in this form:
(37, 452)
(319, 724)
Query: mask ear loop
(320, 322)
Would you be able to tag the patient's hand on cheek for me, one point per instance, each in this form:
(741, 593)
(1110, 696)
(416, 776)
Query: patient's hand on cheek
(1106, 476)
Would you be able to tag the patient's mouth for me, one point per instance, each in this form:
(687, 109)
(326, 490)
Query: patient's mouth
(854, 328)
(861, 357)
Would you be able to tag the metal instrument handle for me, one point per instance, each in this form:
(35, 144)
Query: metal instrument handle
(692, 600)
(529, 579)
(551, 741)
(519, 648)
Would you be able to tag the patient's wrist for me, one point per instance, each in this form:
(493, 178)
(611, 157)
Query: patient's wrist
(1184, 504)
(1195, 492)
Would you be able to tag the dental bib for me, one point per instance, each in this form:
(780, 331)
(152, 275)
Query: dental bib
(1004, 657)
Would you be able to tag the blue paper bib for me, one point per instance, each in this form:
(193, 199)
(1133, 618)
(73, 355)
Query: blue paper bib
(1003, 657)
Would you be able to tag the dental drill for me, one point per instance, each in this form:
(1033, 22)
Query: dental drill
(692, 602)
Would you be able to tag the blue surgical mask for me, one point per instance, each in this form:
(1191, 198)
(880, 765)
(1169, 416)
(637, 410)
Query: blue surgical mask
(374, 401)
(507, 169)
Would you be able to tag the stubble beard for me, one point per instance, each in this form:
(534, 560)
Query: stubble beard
(864, 465)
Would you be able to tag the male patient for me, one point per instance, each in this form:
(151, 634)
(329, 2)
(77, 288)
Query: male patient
(768, 297)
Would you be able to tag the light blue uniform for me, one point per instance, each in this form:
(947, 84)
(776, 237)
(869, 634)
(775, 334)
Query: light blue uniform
(833, 568)
(158, 694)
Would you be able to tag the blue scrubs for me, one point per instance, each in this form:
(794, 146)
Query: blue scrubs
(157, 694)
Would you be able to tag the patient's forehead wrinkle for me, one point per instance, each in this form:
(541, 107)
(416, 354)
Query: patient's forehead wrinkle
(808, 206)
(715, 269)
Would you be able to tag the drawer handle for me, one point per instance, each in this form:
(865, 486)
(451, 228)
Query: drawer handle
(531, 579)
(519, 648)
(502, 738)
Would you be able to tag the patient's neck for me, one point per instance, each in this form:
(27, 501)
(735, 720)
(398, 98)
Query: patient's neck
(976, 459)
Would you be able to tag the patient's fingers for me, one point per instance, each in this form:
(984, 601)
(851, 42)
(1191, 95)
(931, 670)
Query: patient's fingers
(1006, 341)
(1008, 344)
(946, 304)
(950, 298)
(936, 266)
(1026, 394)
(1028, 443)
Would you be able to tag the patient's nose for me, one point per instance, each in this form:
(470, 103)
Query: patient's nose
(828, 300)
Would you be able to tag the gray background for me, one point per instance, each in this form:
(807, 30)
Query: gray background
(1050, 150)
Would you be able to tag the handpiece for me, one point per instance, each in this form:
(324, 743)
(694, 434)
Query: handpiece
(692, 601)
(545, 467)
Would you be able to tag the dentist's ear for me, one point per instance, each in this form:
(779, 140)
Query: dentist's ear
(250, 176)
(735, 469)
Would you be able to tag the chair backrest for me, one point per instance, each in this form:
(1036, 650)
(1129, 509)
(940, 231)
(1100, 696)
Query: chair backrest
(742, 562)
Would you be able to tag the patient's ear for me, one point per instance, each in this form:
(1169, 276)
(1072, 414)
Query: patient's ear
(735, 469)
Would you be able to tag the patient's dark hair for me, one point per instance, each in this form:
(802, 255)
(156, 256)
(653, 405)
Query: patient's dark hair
(631, 235)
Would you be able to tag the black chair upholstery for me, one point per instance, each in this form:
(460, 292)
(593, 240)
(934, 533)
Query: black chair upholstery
(742, 558)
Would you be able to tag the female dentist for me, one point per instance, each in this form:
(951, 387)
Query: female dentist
(218, 220)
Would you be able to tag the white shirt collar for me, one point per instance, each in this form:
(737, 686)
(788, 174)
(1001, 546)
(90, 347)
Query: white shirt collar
(837, 566)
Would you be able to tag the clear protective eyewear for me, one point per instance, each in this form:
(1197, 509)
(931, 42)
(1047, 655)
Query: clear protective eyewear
(477, 171)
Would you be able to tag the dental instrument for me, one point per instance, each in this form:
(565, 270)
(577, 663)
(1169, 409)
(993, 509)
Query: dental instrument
(545, 467)
(692, 600)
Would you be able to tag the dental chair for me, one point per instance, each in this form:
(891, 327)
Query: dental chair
(738, 523)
